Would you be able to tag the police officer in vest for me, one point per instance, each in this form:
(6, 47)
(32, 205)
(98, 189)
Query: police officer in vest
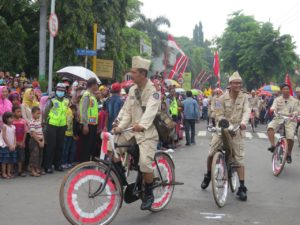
(56, 121)
(89, 119)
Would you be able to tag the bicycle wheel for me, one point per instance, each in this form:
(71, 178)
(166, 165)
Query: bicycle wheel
(233, 179)
(163, 193)
(219, 179)
(79, 183)
(279, 157)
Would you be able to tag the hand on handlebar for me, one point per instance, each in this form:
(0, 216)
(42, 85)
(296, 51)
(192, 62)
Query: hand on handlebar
(137, 128)
(117, 130)
(243, 126)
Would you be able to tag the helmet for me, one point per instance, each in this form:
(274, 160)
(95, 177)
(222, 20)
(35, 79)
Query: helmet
(60, 87)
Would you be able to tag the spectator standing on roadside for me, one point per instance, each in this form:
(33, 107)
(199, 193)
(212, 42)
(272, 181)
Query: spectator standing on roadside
(5, 104)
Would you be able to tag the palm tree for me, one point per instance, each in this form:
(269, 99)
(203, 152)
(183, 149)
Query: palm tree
(152, 28)
(42, 39)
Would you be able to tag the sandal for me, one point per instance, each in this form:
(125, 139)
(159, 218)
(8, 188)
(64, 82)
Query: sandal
(5, 176)
(22, 174)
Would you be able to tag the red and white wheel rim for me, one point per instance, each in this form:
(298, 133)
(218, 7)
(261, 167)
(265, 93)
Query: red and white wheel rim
(103, 210)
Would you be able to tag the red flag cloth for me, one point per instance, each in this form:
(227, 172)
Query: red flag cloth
(288, 82)
(217, 67)
(178, 64)
(184, 68)
(172, 43)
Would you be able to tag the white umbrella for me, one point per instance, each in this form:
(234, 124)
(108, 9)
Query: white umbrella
(179, 90)
(77, 72)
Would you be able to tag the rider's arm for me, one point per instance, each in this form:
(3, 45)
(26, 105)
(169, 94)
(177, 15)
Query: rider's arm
(125, 114)
(152, 108)
(246, 112)
(274, 106)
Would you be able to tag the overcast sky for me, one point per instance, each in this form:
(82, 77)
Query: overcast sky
(213, 14)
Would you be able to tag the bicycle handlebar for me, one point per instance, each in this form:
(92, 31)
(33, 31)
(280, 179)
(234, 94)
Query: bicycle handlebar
(218, 129)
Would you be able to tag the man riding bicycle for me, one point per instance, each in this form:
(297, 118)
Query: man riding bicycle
(286, 105)
(139, 110)
(234, 107)
(254, 104)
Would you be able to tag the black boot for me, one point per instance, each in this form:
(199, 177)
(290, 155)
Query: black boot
(206, 181)
(148, 197)
(242, 193)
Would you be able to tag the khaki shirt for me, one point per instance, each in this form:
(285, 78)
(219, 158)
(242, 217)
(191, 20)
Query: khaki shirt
(216, 106)
(236, 112)
(132, 112)
(285, 106)
(253, 102)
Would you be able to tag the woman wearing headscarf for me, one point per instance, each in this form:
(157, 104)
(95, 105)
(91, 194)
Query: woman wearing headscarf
(5, 104)
(14, 98)
(28, 102)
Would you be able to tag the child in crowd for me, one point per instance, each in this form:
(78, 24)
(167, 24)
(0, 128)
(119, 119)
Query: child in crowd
(8, 153)
(21, 130)
(69, 151)
(36, 143)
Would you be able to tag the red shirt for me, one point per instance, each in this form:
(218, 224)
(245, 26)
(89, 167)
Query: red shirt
(21, 129)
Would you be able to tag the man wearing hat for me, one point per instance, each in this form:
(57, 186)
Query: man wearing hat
(286, 105)
(254, 104)
(298, 122)
(234, 108)
(56, 120)
(139, 111)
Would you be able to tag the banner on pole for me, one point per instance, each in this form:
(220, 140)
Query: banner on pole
(187, 83)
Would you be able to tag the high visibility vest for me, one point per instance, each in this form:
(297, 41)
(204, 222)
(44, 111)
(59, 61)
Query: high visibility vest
(174, 107)
(92, 109)
(58, 112)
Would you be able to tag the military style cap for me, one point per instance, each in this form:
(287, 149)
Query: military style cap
(140, 63)
(235, 76)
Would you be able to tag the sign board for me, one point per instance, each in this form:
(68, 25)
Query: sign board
(53, 25)
(187, 84)
(85, 52)
(145, 47)
(105, 68)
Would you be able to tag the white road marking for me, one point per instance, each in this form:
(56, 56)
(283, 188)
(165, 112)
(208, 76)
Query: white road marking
(214, 216)
(262, 135)
(249, 135)
(202, 133)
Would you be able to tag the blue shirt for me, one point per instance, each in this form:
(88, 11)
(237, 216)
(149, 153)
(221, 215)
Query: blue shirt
(114, 105)
(190, 109)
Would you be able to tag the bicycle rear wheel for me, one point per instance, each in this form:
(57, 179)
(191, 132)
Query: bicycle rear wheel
(76, 202)
(163, 193)
(279, 157)
(219, 179)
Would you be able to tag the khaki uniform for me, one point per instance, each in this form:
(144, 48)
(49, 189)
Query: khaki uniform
(254, 104)
(132, 113)
(236, 113)
(216, 107)
(286, 107)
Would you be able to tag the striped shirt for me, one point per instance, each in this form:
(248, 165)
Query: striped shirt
(36, 127)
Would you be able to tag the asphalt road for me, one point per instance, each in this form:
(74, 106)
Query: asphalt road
(271, 200)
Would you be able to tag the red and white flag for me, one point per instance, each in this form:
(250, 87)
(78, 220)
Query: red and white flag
(216, 67)
(289, 83)
(172, 44)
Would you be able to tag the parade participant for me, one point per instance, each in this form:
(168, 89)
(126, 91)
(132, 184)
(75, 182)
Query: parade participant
(216, 105)
(286, 105)
(235, 109)
(88, 108)
(254, 104)
(55, 119)
(139, 111)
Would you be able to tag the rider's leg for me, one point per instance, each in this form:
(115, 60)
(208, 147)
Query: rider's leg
(271, 136)
(290, 146)
(147, 153)
(290, 132)
(272, 127)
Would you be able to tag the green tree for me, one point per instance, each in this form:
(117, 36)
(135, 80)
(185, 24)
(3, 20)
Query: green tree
(198, 36)
(152, 28)
(256, 50)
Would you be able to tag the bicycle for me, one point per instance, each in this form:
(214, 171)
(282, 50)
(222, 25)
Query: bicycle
(93, 192)
(281, 148)
(223, 172)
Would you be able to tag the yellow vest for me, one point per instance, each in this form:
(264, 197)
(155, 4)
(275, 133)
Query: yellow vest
(58, 112)
(174, 107)
(92, 109)
(70, 117)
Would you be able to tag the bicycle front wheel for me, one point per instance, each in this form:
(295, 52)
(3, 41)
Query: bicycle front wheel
(78, 199)
(219, 179)
(233, 179)
(279, 157)
(164, 190)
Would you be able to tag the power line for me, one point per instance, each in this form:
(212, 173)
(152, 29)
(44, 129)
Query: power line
(288, 12)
